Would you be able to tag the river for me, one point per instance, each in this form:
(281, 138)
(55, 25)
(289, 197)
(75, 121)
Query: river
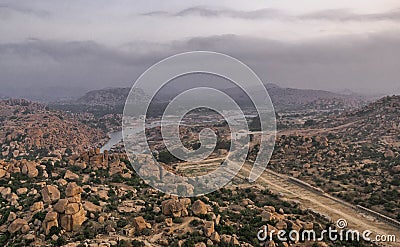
(115, 137)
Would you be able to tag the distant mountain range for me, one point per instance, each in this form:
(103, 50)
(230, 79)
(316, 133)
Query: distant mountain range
(112, 100)
(110, 97)
(296, 99)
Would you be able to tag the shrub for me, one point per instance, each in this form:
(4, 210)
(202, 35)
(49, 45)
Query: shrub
(177, 220)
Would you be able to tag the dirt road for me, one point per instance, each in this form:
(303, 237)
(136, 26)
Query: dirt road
(325, 205)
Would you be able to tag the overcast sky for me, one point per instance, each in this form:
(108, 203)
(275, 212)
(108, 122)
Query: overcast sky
(80, 45)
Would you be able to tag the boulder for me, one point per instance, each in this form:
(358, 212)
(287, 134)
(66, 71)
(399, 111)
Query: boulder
(12, 198)
(60, 205)
(49, 221)
(215, 237)
(11, 217)
(2, 173)
(16, 225)
(25, 229)
(199, 208)
(22, 191)
(234, 241)
(91, 207)
(174, 207)
(139, 223)
(168, 222)
(72, 208)
(29, 168)
(37, 206)
(281, 225)
(62, 182)
(73, 213)
(74, 221)
(226, 239)
(209, 228)
(50, 194)
(266, 216)
(70, 175)
(103, 194)
(29, 237)
(5, 191)
(73, 189)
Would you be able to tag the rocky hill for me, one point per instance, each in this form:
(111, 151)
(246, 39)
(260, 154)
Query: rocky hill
(291, 99)
(112, 100)
(30, 129)
(378, 121)
(96, 199)
(100, 102)
(354, 155)
(110, 97)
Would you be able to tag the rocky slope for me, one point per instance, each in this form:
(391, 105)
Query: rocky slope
(354, 155)
(112, 100)
(376, 122)
(291, 99)
(100, 102)
(96, 199)
(30, 129)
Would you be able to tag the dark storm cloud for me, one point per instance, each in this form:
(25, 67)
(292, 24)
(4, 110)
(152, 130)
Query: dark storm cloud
(58, 51)
(7, 10)
(354, 62)
(347, 15)
(328, 15)
(156, 13)
(53, 70)
(209, 12)
(363, 63)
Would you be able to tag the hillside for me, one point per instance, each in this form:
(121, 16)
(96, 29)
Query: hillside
(378, 121)
(354, 155)
(30, 129)
(290, 99)
(100, 102)
(112, 100)
(110, 97)
(97, 199)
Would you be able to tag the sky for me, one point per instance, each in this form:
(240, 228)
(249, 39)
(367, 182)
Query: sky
(62, 48)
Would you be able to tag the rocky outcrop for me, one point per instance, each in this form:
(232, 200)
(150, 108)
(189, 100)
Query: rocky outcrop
(209, 228)
(70, 175)
(199, 208)
(17, 225)
(140, 224)
(60, 206)
(42, 132)
(91, 207)
(37, 206)
(72, 213)
(29, 168)
(175, 207)
(50, 220)
(50, 194)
